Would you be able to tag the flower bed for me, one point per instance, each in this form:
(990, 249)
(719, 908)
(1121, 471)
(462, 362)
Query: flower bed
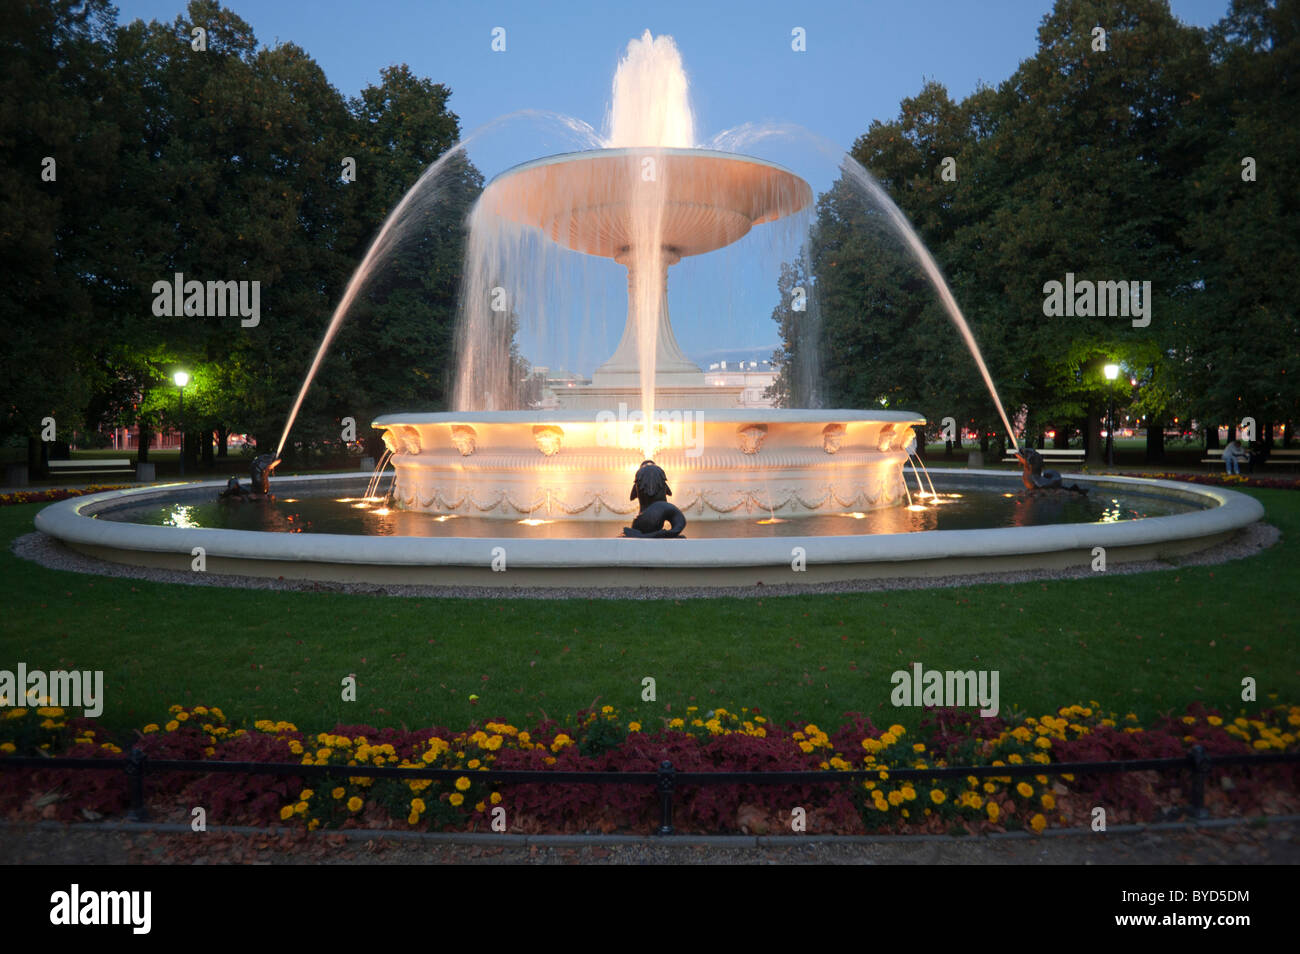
(60, 493)
(698, 742)
(1227, 480)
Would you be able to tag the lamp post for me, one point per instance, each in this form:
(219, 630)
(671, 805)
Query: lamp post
(182, 378)
(1112, 372)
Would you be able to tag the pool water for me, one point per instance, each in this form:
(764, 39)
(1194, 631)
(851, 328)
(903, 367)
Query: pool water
(955, 509)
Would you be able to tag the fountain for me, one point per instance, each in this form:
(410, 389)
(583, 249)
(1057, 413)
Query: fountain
(647, 201)
(771, 495)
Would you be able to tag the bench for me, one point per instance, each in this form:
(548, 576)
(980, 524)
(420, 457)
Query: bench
(61, 468)
(1278, 455)
(1052, 456)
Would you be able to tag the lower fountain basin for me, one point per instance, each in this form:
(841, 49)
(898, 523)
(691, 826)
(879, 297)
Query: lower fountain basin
(578, 464)
(603, 560)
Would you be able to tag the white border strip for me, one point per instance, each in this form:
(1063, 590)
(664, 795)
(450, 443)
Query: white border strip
(70, 520)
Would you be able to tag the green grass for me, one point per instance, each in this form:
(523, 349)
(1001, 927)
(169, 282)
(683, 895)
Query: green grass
(1145, 643)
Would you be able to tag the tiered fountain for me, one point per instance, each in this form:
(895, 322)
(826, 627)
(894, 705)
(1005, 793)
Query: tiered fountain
(646, 199)
(646, 202)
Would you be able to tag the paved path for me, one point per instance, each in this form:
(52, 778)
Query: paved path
(1275, 843)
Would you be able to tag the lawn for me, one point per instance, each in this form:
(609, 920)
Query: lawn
(1144, 644)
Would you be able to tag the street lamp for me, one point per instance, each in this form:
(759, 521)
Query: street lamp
(1112, 372)
(182, 378)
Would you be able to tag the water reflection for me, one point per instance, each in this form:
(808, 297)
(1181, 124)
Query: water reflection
(965, 510)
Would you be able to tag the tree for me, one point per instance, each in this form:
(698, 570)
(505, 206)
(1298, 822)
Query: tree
(54, 150)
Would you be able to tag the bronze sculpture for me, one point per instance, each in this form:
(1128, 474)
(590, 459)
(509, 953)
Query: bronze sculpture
(259, 473)
(1035, 478)
(650, 488)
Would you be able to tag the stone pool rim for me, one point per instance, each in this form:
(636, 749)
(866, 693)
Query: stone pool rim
(588, 562)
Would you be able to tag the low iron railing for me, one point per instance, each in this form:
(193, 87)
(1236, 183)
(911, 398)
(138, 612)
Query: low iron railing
(665, 780)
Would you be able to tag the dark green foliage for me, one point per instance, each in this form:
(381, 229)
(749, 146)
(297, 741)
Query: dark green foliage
(224, 165)
(1123, 164)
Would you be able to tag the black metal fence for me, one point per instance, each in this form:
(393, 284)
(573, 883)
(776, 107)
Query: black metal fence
(666, 780)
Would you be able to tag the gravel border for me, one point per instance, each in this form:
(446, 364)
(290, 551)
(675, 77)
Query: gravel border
(54, 555)
(720, 841)
(1272, 841)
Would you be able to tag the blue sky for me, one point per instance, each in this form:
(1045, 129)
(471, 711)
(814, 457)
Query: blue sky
(862, 58)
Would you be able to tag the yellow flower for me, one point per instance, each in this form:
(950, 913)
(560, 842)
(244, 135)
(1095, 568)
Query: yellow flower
(634, 727)
(183, 716)
(151, 727)
(1025, 789)
(313, 824)
(897, 730)
(301, 808)
(412, 818)
(993, 811)
(496, 798)
(173, 726)
(909, 793)
(937, 796)
(480, 807)
(354, 804)
(338, 792)
(417, 805)
(462, 784)
(456, 798)
(473, 763)
(990, 788)
(286, 813)
(918, 746)
(1038, 823)
(305, 794)
(1049, 801)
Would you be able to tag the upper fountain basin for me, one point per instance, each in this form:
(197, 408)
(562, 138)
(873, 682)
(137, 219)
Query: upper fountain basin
(701, 199)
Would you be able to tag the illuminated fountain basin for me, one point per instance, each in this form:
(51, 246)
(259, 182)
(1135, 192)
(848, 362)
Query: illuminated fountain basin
(604, 561)
(578, 465)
